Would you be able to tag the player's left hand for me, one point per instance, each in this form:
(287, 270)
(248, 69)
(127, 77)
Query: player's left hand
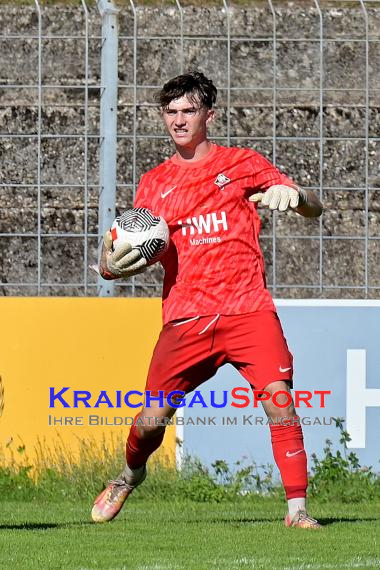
(123, 262)
(280, 197)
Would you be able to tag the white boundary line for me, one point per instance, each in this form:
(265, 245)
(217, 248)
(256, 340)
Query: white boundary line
(321, 566)
(179, 440)
(327, 302)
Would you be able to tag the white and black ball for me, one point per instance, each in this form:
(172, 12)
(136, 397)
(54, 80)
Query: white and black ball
(144, 231)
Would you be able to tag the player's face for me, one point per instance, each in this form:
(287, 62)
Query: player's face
(186, 121)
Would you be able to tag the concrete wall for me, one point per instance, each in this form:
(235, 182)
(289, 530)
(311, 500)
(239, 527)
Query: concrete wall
(62, 209)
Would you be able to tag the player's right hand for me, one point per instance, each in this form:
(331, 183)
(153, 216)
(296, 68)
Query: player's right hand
(281, 197)
(123, 262)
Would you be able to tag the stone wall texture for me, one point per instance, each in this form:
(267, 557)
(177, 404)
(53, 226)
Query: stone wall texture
(49, 193)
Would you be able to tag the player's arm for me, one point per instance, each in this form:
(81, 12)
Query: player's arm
(287, 196)
(310, 205)
(275, 190)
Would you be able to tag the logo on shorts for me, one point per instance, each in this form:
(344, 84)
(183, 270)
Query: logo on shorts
(221, 180)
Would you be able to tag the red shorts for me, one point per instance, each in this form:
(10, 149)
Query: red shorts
(190, 351)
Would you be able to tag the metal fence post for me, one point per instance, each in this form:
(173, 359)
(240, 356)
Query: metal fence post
(274, 141)
(39, 133)
(85, 201)
(181, 57)
(108, 125)
(134, 116)
(228, 17)
(321, 136)
(366, 152)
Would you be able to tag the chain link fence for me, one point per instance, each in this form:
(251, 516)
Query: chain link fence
(298, 82)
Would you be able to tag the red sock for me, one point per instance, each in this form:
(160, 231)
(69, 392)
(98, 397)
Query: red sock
(138, 449)
(290, 456)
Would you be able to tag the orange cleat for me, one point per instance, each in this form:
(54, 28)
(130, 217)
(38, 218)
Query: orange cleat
(110, 501)
(301, 520)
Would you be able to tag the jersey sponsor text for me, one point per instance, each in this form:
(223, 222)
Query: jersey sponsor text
(204, 223)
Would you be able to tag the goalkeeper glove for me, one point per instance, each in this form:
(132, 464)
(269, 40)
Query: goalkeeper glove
(123, 262)
(281, 197)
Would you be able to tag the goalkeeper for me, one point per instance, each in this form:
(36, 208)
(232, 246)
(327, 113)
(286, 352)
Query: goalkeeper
(216, 307)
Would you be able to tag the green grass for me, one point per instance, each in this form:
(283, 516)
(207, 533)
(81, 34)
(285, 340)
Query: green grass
(224, 517)
(186, 535)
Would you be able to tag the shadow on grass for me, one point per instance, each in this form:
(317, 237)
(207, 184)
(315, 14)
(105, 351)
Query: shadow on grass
(337, 520)
(42, 526)
(230, 521)
(233, 520)
(260, 520)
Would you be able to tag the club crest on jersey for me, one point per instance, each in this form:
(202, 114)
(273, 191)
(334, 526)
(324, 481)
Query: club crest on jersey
(221, 180)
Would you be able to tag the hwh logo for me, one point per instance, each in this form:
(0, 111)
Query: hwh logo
(204, 224)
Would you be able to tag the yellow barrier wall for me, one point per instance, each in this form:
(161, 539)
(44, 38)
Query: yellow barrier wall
(85, 344)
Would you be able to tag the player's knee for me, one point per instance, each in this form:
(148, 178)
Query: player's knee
(279, 402)
(150, 428)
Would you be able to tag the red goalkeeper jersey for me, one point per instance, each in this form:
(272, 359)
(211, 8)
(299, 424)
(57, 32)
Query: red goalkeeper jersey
(214, 263)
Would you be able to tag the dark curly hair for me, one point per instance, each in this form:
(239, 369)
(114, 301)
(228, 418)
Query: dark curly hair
(193, 83)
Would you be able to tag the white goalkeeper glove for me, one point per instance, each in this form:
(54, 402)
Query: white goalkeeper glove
(281, 197)
(123, 262)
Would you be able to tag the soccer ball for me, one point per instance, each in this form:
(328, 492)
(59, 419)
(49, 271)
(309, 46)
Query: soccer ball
(144, 231)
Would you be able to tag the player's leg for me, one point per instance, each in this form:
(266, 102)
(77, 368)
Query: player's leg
(183, 359)
(144, 438)
(147, 433)
(289, 452)
(262, 356)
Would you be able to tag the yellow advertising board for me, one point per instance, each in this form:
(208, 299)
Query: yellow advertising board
(91, 345)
